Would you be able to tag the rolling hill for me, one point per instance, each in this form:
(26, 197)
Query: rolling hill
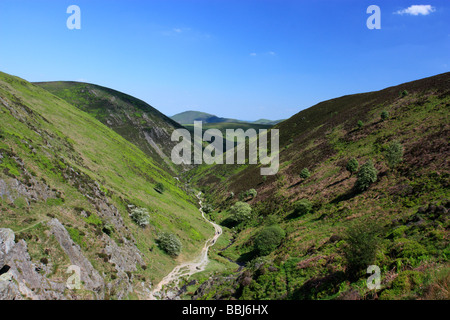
(403, 210)
(133, 119)
(75, 194)
(82, 186)
(188, 118)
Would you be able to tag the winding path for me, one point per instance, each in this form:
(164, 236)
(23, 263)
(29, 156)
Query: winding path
(191, 267)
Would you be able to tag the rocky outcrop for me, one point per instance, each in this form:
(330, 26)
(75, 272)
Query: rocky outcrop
(90, 277)
(125, 258)
(20, 278)
(11, 189)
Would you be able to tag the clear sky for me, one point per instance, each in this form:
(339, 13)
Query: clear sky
(245, 59)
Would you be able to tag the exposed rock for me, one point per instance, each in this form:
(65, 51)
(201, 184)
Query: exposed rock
(125, 257)
(6, 241)
(11, 189)
(22, 280)
(89, 276)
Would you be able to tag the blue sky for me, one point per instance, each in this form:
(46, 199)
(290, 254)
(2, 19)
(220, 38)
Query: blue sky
(245, 59)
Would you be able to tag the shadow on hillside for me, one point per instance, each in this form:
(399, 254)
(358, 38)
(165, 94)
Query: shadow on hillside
(292, 216)
(246, 257)
(228, 223)
(295, 184)
(312, 288)
(344, 197)
(337, 182)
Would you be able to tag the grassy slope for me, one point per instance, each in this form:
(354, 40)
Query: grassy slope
(323, 138)
(43, 138)
(132, 118)
(190, 116)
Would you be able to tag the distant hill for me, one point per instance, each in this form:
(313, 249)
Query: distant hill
(188, 117)
(267, 121)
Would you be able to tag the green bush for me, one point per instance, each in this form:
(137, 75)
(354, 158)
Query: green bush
(384, 115)
(169, 243)
(140, 216)
(252, 193)
(240, 212)
(303, 207)
(407, 283)
(394, 154)
(269, 239)
(208, 208)
(360, 124)
(160, 187)
(404, 93)
(304, 174)
(352, 166)
(367, 175)
(361, 249)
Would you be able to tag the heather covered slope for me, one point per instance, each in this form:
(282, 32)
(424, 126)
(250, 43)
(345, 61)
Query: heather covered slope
(407, 203)
(68, 184)
(133, 119)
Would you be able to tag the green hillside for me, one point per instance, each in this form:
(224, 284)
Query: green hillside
(133, 119)
(267, 122)
(397, 218)
(188, 117)
(363, 180)
(58, 162)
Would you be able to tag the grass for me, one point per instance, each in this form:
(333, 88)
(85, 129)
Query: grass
(324, 144)
(76, 159)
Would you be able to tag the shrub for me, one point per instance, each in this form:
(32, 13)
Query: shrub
(252, 193)
(304, 174)
(366, 176)
(404, 93)
(271, 220)
(384, 115)
(208, 208)
(241, 211)
(361, 249)
(169, 243)
(360, 124)
(140, 216)
(352, 166)
(394, 154)
(160, 187)
(269, 239)
(303, 207)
